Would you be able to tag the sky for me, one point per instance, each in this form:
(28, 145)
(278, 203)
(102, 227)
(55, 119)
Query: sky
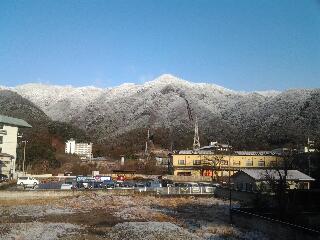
(242, 45)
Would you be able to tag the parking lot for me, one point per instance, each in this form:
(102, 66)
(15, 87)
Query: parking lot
(141, 185)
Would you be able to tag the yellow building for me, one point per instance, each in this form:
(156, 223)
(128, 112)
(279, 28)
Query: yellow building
(209, 163)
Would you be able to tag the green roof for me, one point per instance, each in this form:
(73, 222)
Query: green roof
(14, 121)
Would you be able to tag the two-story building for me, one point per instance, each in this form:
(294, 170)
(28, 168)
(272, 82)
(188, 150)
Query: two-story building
(9, 141)
(212, 163)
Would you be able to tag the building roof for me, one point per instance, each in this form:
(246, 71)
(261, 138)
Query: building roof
(211, 150)
(256, 153)
(14, 121)
(6, 155)
(264, 174)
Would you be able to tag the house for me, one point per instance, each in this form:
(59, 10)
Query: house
(9, 127)
(259, 179)
(84, 150)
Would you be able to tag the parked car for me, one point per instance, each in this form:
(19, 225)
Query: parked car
(140, 187)
(27, 181)
(3, 178)
(154, 184)
(108, 184)
(127, 185)
(66, 186)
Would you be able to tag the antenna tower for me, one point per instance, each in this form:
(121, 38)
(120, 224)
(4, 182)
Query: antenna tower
(196, 141)
(148, 138)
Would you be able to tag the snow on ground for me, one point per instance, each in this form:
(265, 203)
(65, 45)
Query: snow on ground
(149, 231)
(33, 210)
(103, 216)
(38, 230)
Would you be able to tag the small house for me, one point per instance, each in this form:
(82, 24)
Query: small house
(260, 179)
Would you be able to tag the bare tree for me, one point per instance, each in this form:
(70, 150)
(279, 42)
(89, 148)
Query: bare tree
(276, 179)
(215, 162)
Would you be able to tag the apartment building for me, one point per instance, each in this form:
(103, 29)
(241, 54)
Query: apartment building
(9, 127)
(84, 150)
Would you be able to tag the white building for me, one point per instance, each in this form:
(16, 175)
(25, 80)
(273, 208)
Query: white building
(9, 139)
(84, 150)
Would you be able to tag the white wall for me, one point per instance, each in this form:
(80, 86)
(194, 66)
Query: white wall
(70, 146)
(9, 144)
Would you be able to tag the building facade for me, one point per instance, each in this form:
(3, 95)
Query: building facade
(84, 150)
(209, 163)
(9, 138)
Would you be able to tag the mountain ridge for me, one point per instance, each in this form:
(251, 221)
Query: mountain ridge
(168, 106)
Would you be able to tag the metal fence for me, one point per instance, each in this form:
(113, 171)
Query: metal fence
(179, 190)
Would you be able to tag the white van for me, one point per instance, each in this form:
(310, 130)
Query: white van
(27, 181)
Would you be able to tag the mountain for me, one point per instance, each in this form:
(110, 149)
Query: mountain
(169, 105)
(45, 138)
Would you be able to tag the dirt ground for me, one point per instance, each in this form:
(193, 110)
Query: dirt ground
(92, 216)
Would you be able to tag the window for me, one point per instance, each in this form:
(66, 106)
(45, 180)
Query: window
(249, 187)
(1, 139)
(196, 162)
(249, 162)
(236, 163)
(224, 162)
(261, 163)
(182, 162)
(273, 163)
(0, 149)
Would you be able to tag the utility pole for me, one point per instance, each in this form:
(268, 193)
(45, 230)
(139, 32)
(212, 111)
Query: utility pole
(24, 156)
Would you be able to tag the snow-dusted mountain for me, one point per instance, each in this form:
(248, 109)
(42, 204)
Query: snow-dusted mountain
(270, 117)
(64, 102)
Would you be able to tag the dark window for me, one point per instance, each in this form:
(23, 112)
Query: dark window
(1, 139)
(182, 162)
(249, 162)
(196, 162)
(261, 163)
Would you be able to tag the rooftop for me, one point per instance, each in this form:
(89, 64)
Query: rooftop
(264, 174)
(14, 121)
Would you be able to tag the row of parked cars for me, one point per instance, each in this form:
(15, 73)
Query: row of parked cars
(141, 186)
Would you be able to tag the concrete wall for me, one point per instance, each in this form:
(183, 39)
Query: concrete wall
(273, 228)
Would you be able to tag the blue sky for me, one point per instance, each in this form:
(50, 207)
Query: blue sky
(242, 45)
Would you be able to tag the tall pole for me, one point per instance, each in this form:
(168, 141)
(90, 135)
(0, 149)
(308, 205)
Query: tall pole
(24, 156)
(230, 203)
